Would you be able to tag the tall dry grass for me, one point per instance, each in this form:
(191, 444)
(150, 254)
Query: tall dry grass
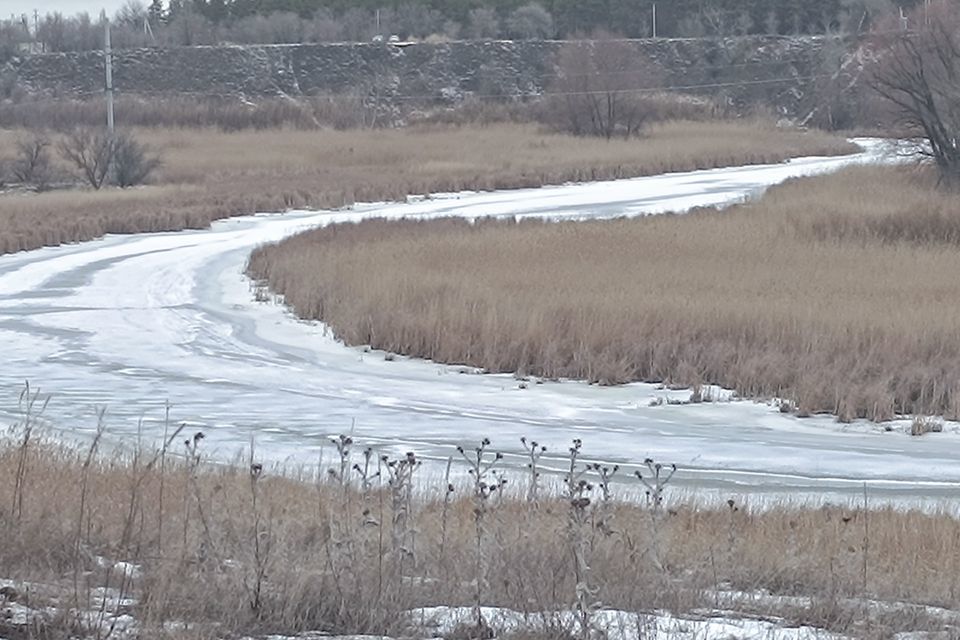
(209, 174)
(164, 111)
(838, 293)
(223, 549)
(349, 110)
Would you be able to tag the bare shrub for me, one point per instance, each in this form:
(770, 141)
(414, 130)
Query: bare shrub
(352, 110)
(133, 162)
(32, 164)
(922, 425)
(599, 89)
(918, 74)
(99, 157)
(90, 153)
(478, 111)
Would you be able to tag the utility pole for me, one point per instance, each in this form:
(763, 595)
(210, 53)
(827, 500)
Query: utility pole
(654, 11)
(148, 30)
(36, 31)
(108, 68)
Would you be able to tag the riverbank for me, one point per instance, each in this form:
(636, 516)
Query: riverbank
(161, 540)
(777, 298)
(208, 174)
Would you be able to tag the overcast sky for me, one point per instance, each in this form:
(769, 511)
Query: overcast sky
(92, 7)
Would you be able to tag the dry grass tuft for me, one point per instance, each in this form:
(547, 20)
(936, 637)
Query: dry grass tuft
(208, 174)
(922, 425)
(837, 293)
(224, 549)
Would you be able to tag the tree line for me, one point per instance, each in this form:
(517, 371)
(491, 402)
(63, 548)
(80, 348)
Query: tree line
(192, 22)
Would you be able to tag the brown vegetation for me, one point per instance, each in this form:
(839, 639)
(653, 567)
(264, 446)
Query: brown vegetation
(207, 175)
(361, 108)
(229, 114)
(837, 293)
(244, 548)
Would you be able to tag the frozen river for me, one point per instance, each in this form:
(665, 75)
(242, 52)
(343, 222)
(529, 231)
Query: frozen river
(132, 322)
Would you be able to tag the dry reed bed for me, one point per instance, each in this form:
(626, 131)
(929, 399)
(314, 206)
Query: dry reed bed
(239, 549)
(208, 174)
(228, 114)
(335, 111)
(838, 293)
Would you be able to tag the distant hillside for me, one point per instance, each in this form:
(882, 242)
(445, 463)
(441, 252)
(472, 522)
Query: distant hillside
(778, 72)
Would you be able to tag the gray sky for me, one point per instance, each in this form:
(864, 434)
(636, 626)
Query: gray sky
(92, 7)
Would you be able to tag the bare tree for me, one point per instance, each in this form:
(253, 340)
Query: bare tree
(32, 164)
(601, 88)
(100, 158)
(919, 73)
(531, 22)
(133, 162)
(90, 153)
(131, 14)
(483, 23)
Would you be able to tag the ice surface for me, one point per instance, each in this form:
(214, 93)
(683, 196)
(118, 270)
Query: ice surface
(132, 322)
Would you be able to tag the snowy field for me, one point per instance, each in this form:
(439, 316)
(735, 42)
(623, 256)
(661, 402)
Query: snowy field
(131, 322)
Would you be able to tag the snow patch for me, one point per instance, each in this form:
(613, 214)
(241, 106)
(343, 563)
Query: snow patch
(622, 625)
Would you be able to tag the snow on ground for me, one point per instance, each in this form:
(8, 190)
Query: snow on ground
(622, 625)
(132, 322)
(26, 607)
(736, 615)
(437, 622)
